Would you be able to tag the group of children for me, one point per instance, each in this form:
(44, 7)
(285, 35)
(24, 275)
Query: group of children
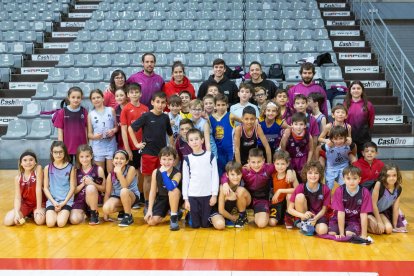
(216, 164)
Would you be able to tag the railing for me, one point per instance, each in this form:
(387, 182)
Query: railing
(398, 69)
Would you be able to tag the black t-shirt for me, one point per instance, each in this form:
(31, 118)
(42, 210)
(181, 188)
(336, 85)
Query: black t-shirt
(270, 87)
(154, 131)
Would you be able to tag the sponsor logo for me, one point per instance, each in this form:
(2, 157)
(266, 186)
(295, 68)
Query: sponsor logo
(340, 23)
(394, 141)
(80, 15)
(86, 7)
(345, 33)
(64, 34)
(23, 85)
(332, 5)
(6, 119)
(375, 84)
(355, 56)
(337, 13)
(72, 24)
(62, 45)
(45, 57)
(388, 119)
(13, 102)
(35, 70)
(342, 43)
(361, 69)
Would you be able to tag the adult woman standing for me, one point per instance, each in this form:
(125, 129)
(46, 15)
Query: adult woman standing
(178, 82)
(116, 81)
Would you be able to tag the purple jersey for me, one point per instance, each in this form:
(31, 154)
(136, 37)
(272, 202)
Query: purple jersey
(303, 89)
(354, 205)
(257, 183)
(149, 85)
(73, 124)
(311, 125)
(315, 200)
(298, 151)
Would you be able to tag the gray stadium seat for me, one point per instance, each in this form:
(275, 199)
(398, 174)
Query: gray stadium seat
(75, 74)
(62, 90)
(216, 46)
(234, 35)
(219, 35)
(116, 35)
(44, 91)
(253, 35)
(146, 46)
(159, 15)
(92, 47)
(198, 47)
(289, 46)
(320, 34)
(94, 74)
(333, 74)
(83, 35)
(253, 47)
(270, 24)
(254, 25)
(16, 130)
(121, 25)
(163, 47)
(87, 87)
(300, 14)
(196, 59)
(304, 34)
(232, 59)
(286, 14)
(167, 35)
(177, 57)
(185, 35)
(40, 129)
(154, 24)
(75, 47)
(162, 59)
(319, 73)
(318, 23)
(286, 24)
(249, 57)
(234, 46)
(110, 47)
(6, 60)
(99, 35)
(66, 60)
(195, 74)
(287, 34)
(314, 13)
(324, 46)
(132, 35)
(187, 24)
(202, 35)
(50, 105)
(151, 35)
(292, 74)
(121, 60)
(127, 47)
(83, 60)
(31, 110)
(271, 46)
(270, 34)
(137, 25)
(270, 58)
(303, 24)
(91, 25)
(270, 14)
(290, 59)
(307, 46)
(56, 75)
(11, 36)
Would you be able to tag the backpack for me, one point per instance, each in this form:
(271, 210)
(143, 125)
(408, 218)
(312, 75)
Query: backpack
(237, 73)
(322, 59)
(321, 83)
(276, 71)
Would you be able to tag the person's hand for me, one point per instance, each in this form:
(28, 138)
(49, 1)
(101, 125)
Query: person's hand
(307, 215)
(97, 136)
(312, 222)
(88, 180)
(226, 189)
(381, 227)
(339, 236)
(163, 169)
(290, 176)
(16, 218)
(213, 200)
(329, 143)
(148, 215)
(110, 133)
(118, 169)
(58, 207)
(247, 166)
(187, 205)
(275, 197)
(39, 212)
(348, 141)
(172, 122)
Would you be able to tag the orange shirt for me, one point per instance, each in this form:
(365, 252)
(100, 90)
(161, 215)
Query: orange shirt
(129, 114)
(280, 184)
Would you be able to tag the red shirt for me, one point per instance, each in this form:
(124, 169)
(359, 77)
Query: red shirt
(109, 99)
(369, 172)
(129, 114)
(171, 88)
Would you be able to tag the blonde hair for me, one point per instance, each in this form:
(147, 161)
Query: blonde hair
(265, 106)
(196, 102)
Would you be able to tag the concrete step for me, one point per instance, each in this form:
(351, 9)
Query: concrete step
(66, 29)
(381, 100)
(355, 27)
(24, 93)
(59, 39)
(32, 63)
(399, 129)
(6, 111)
(367, 76)
(28, 78)
(42, 51)
(378, 92)
(366, 49)
(355, 62)
(388, 109)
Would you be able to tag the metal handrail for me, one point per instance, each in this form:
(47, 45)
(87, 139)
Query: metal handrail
(398, 69)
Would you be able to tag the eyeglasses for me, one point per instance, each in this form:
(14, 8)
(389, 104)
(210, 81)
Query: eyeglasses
(119, 78)
(260, 95)
(57, 152)
(197, 110)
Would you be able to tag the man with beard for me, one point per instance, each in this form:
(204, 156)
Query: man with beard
(255, 70)
(226, 86)
(149, 81)
(307, 86)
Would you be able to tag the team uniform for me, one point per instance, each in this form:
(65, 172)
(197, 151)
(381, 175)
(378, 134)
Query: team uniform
(116, 186)
(272, 133)
(298, 149)
(311, 125)
(28, 194)
(237, 110)
(119, 140)
(185, 115)
(153, 127)
(162, 203)
(80, 198)
(176, 126)
(385, 204)
(73, 122)
(318, 120)
(149, 85)
(353, 206)
(101, 122)
(129, 114)
(222, 131)
(303, 89)
(278, 210)
(200, 126)
(345, 125)
(59, 186)
(337, 159)
(200, 182)
(315, 199)
(247, 143)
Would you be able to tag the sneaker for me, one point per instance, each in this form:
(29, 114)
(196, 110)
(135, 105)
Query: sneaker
(241, 222)
(288, 221)
(229, 223)
(121, 215)
(188, 220)
(94, 219)
(126, 221)
(136, 206)
(180, 214)
(174, 226)
(358, 240)
(298, 223)
(307, 228)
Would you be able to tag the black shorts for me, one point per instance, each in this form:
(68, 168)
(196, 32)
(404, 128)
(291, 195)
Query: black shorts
(136, 201)
(278, 210)
(230, 205)
(66, 207)
(161, 206)
(136, 160)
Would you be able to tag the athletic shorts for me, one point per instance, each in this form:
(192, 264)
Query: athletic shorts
(331, 175)
(133, 203)
(80, 202)
(28, 208)
(102, 158)
(161, 206)
(52, 208)
(149, 163)
(136, 160)
(354, 227)
(260, 205)
(278, 210)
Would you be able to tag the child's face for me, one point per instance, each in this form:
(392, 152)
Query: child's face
(244, 95)
(312, 104)
(298, 127)
(196, 112)
(134, 95)
(185, 99)
(159, 104)
(260, 97)
(271, 112)
(195, 141)
(339, 115)
(75, 99)
(85, 158)
(234, 177)
(369, 154)
(249, 120)
(58, 153)
(184, 128)
(281, 99)
(96, 99)
(300, 105)
(212, 90)
(119, 160)
(175, 109)
(208, 105)
(167, 161)
(221, 107)
(120, 97)
(338, 141)
(281, 165)
(352, 181)
(256, 163)
(392, 177)
(313, 176)
(356, 91)
(28, 162)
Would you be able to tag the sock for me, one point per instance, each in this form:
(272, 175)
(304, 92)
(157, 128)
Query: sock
(242, 214)
(173, 214)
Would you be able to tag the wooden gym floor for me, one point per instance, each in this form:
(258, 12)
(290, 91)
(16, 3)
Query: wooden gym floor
(139, 247)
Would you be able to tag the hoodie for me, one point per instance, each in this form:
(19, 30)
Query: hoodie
(149, 85)
(172, 88)
(226, 87)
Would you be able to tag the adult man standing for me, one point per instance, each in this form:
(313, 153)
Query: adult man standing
(307, 86)
(149, 81)
(256, 79)
(226, 86)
